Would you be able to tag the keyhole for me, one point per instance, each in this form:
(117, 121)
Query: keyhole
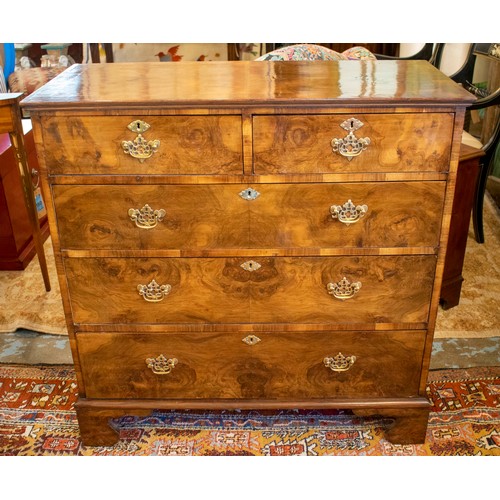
(138, 127)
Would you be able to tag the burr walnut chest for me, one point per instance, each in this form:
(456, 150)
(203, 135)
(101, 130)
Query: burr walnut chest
(250, 235)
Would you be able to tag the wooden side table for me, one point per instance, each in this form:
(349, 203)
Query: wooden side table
(10, 122)
(467, 177)
(17, 248)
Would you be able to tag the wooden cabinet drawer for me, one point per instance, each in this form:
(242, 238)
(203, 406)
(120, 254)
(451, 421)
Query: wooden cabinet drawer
(310, 290)
(399, 142)
(399, 214)
(278, 365)
(187, 145)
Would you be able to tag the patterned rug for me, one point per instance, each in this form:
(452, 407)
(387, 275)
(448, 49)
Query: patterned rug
(477, 316)
(37, 418)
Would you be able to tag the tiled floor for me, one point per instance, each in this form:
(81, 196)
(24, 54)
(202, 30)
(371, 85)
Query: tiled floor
(27, 347)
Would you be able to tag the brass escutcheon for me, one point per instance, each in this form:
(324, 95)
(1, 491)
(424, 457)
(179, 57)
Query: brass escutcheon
(339, 363)
(161, 365)
(348, 213)
(146, 217)
(251, 340)
(251, 266)
(249, 194)
(343, 289)
(153, 292)
(140, 148)
(350, 146)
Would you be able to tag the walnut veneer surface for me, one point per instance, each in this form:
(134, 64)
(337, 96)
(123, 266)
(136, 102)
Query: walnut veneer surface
(252, 257)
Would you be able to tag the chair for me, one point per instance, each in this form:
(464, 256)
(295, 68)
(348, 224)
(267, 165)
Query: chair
(482, 129)
(425, 53)
(488, 142)
(10, 122)
(434, 53)
(489, 148)
(313, 52)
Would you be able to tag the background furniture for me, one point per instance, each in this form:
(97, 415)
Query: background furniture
(463, 202)
(17, 247)
(10, 122)
(268, 244)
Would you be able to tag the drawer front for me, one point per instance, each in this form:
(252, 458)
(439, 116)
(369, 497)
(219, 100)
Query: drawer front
(277, 365)
(151, 217)
(399, 214)
(187, 145)
(309, 290)
(347, 215)
(382, 142)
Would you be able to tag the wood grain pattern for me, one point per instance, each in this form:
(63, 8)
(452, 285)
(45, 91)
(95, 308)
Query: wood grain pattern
(196, 217)
(218, 290)
(282, 216)
(188, 145)
(104, 87)
(400, 214)
(280, 366)
(398, 142)
(268, 126)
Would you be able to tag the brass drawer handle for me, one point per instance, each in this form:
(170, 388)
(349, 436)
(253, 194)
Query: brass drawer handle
(161, 365)
(350, 146)
(348, 213)
(153, 292)
(339, 363)
(146, 217)
(140, 148)
(343, 289)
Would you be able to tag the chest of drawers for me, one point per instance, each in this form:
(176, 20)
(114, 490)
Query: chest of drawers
(250, 235)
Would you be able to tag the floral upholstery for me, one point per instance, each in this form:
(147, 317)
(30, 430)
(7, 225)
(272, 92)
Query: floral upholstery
(311, 52)
(358, 53)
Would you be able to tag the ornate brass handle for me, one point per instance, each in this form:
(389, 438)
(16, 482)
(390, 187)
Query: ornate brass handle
(348, 213)
(343, 289)
(146, 217)
(161, 365)
(153, 292)
(339, 363)
(350, 146)
(140, 148)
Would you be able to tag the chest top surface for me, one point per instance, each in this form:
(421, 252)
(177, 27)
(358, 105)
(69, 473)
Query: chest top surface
(248, 83)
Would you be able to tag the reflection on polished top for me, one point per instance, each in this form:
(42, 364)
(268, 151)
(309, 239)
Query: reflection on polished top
(249, 83)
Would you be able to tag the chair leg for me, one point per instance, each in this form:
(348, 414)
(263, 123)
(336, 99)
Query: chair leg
(477, 210)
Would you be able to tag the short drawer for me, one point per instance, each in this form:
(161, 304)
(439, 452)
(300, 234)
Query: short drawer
(189, 217)
(120, 145)
(358, 291)
(239, 365)
(399, 142)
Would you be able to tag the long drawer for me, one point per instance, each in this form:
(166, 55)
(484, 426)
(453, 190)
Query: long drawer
(348, 215)
(169, 145)
(352, 143)
(339, 290)
(270, 365)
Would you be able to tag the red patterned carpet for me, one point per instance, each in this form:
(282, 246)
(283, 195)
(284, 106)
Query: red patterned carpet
(37, 418)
